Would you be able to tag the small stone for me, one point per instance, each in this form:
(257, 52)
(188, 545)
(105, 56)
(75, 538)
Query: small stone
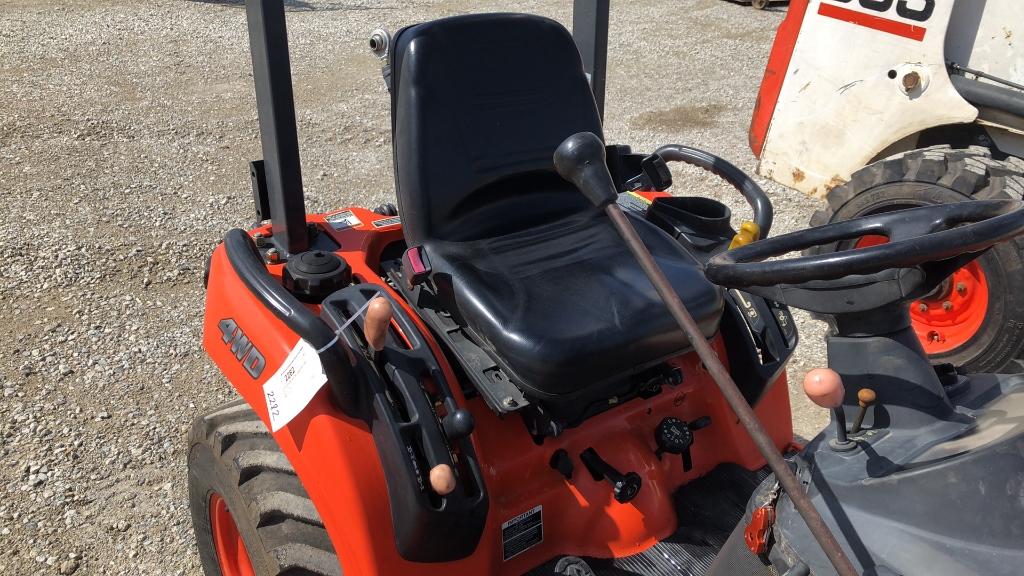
(68, 567)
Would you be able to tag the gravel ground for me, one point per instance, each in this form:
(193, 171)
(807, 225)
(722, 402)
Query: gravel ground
(125, 129)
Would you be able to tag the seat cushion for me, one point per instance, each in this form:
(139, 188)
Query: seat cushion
(564, 308)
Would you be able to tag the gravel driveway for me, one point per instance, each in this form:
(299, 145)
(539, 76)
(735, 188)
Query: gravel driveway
(125, 128)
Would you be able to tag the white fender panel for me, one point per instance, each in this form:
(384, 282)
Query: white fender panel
(844, 99)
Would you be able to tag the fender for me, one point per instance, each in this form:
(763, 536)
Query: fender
(863, 74)
(333, 454)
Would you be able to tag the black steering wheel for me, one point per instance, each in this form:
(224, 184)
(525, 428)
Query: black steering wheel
(917, 236)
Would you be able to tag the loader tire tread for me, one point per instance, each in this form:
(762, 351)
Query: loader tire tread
(970, 172)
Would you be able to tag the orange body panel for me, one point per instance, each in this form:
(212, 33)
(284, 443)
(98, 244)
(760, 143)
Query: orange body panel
(335, 457)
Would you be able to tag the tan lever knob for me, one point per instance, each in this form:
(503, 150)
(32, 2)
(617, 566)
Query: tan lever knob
(442, 479)
(377, 323)
(824, 387)
(865, 398)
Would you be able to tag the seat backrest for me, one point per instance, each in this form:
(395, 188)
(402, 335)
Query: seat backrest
(479, 104)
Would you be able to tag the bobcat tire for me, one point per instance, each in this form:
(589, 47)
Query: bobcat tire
(975, 320)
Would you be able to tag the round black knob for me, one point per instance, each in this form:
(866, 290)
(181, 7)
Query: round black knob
(315, 274)
(458, 424)
(580, 160)
(673, 436)
(626, 487)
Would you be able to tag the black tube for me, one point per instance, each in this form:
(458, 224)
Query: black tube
(764, 214)
(988, 95)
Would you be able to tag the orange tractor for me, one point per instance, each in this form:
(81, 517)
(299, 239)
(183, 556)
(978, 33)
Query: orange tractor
(545, 363)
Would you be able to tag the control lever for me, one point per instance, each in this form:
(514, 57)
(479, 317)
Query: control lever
(675, 436)
(580, 159)
(865, 398)
(375, 329)
(625, 487)
(825, 388)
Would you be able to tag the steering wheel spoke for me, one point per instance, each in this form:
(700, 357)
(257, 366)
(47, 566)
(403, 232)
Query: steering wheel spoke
(925, 245)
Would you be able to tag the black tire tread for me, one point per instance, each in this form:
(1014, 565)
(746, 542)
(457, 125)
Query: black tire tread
(971, 171)
(287, 523)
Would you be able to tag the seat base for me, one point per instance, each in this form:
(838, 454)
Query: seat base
(561, 312)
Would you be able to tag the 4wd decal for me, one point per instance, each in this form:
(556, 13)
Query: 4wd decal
(914, 10)
(251, 358)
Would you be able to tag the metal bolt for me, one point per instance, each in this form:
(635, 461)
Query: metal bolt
(911, 81)
(961, 288)
(273, 256)
(260, 238)
(509, 402)
(934, 336)
(922, 307)
(947, 305)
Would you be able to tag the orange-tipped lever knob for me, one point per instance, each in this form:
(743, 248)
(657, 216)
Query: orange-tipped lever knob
(865, 398)
(377, 323)
(442, 479)
(824, 387)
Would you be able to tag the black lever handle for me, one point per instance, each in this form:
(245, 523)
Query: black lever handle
(625, 487)
(580, 159)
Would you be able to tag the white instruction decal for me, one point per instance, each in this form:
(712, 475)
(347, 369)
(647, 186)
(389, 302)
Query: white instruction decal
(521, 533)
(294, 384)
(343, 220)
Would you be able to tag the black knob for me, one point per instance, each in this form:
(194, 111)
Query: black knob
(458, 424)
(560, 461)
(673, 436)
(625, 487)
(580, 160)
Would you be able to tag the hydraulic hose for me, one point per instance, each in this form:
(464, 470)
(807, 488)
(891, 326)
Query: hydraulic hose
(755, 196)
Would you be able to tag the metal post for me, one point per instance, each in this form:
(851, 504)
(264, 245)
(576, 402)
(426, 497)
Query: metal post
(590, 30)
(268, 43)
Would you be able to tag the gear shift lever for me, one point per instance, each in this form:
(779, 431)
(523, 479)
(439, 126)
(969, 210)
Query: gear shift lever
(580, 159)
(824, 387)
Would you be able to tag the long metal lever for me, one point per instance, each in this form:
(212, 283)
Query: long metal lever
(580, 159)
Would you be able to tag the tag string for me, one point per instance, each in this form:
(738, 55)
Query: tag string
(337, 333)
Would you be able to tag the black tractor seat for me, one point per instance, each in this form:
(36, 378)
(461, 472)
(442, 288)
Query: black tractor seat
(534, 274)
(564, 308)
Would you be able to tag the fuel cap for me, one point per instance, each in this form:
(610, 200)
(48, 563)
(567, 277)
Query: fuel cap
(315, 274)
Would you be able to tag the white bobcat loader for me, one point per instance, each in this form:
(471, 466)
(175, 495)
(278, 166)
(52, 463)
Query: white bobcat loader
(878, 105)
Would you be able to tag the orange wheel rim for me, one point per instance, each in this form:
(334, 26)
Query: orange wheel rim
(232, 556)
(951, 316)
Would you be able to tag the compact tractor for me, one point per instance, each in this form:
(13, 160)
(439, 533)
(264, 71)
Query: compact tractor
(542, 362)
(880, 105)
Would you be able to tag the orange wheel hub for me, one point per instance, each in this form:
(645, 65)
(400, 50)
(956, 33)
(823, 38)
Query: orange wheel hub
(232, 556)
(952, 315)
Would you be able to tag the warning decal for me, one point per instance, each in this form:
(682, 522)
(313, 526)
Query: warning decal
(522, 533)
(634, 202)
(343, 220)
(385, 222)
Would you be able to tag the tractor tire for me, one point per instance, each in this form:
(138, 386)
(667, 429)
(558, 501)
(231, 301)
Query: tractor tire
(250, 513)
(975, 320)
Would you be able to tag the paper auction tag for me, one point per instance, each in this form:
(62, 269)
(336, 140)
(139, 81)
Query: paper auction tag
(294, 384)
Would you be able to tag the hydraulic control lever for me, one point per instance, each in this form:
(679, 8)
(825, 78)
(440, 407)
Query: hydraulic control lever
(580, 159)
(625, 487)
